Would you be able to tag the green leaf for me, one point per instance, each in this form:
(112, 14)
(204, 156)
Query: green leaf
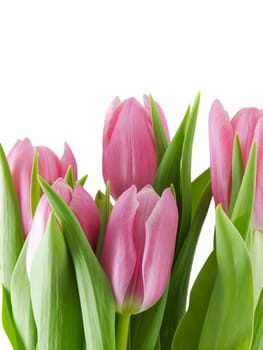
(11, 232)
(237, 172)
(145, 326)
(229, 319)
(198, 188)
(35, 191)
(185, 175)
(256, 248)
(181, 272)
(104, 205)
(188, 333)
(243, 208)
(21, 303)
(97, 303)
(258, 325)
(8, 322)
(69, 177)
(168, 171)
(55, 299)
(82, 180)
(160, 139)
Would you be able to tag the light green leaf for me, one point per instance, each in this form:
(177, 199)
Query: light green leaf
(8, 322)
(11, 232)
(104, 205)
(35, 191)
(21, 303)
(69, 177)
(55, 299)
(258, 325)
(229, 319)
(243, 208)
(185, 176)
(181, 272)
(145, 326)
(97, 303)
(256, 252)
(188, 333)
(237, 172)
(160, 139)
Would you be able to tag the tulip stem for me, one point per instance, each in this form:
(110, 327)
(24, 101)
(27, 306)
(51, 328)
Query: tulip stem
(122, 331)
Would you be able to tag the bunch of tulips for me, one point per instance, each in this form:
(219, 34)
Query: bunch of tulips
(112, 272)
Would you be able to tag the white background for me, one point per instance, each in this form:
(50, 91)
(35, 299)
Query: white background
(61, 64)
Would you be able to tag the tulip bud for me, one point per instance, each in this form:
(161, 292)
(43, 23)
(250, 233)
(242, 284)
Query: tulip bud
(129, 154)
(247, 124)
(20, 160)
(81, 204)
(138, 248)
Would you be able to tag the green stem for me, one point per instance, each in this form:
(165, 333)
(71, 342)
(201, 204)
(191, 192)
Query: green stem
(122, 331)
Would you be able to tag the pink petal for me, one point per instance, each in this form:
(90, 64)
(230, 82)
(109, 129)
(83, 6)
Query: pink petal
(221, 145)
(161, 228)
(86, 211)
(68, 159)
(147, 198)
(258, 204)
(130, 156)
(244, 124)
(146, 101)
(110, 119)
(49, 164)
(118, 254)
(20, 160)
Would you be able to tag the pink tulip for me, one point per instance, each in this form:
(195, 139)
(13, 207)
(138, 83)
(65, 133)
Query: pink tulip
(20, 160)
(248, 125)
(138, 247)
(82, 205)
(129, 155)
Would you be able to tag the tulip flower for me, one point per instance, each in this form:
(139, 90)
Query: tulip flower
(81, 204)
(129, 154)
(248, 125)
(138, 248)
(20, 160)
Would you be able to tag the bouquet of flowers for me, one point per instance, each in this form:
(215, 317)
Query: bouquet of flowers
(112, 272)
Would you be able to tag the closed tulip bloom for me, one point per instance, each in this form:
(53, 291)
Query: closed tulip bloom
(81, 204)
(20, 160)
(129, 154)
(139, 246)
(248, 125)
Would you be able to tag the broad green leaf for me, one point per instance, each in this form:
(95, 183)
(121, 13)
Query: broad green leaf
(256, 249)
(243, 208)
(188, 333)
(160, 139)
(229, 318)
(69, 177)
(169, 169)
(258, 325)
(185, 175)
(181, 272)
(55, 299)
(35, 191)
(97, 303)
(11, 232)
(21, 303)
(237, 172)
(145, 326)
(104, 205)
(8, 322)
